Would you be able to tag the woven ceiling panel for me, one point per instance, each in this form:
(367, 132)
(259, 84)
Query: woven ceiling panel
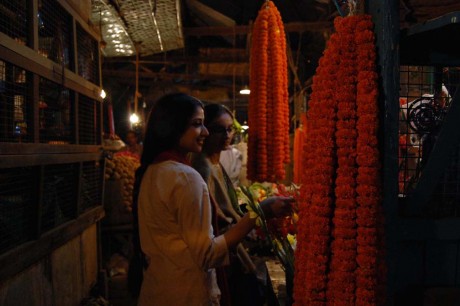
(155, 24)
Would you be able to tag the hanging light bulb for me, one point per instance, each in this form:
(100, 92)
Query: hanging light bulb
(245, 90)
(103, 94)
(134, 119)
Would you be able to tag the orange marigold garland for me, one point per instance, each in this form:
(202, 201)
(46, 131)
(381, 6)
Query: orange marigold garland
(257, 155)
(371, 269)
(342, 281)
(315, 208)
(339, 258)
(268, 141)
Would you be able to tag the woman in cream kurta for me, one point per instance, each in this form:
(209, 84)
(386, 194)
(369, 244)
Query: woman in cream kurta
(177, 237)
(172, 211)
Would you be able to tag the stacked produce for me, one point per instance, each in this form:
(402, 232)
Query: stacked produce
(268, 114)
(123, 167)
(339, 254)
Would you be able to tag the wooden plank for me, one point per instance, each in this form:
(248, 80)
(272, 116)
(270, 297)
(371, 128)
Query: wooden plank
(447, 141)
(30, 60)
(66, 273)
(27, 254)
(34, 111)
(79, 179)
(39, 201)
(209, 15)
(33, 24)
(89, 255)
(318, 26)
(43, 148)
(76, 122)
(13, 161)
(126, 74)
(31, 287)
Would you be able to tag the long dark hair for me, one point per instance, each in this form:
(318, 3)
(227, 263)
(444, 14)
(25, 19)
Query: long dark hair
(214, 111)
(167, 121)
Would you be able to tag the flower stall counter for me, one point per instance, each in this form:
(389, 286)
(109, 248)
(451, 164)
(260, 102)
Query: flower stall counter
(279, 235)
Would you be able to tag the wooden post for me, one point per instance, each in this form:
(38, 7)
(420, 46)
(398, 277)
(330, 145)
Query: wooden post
(385, 15)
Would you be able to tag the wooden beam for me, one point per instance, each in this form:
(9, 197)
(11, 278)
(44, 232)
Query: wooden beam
(319, 26)
(162, 75)
(18, 259)
(46, 149)
(12, 161)
(181, 59)
(208, 15)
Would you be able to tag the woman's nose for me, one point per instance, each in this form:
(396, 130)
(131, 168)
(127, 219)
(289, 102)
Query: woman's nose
(204, 131)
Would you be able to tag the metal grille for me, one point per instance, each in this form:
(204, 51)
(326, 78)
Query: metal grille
(54, 33)
(88, 56)
(14, 20)
(56, 113)
(59, 195)
(17, 206)
(425, 97)
(91, 185)
(89, 121)
(15, 104)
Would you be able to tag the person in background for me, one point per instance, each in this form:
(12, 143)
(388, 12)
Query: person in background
(133, 145)
(231, 160)
(174, 215)
(241, 274)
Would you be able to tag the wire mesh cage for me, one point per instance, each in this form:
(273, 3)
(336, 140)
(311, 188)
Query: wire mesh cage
(17, 206)
(55, 33)
(60, 187)
(88, 56)
(89, 119)
(15, 104)
(91, 185)
(56, 113)
(14, 20)
(425, 98)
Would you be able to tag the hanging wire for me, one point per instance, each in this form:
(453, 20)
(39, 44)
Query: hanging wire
(234, 68)
(136, 94)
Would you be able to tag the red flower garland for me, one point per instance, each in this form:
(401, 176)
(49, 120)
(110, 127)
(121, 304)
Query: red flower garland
(339, 255)
(371, 270)
(312, 253)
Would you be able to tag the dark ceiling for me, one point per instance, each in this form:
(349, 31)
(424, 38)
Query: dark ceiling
(214, 62)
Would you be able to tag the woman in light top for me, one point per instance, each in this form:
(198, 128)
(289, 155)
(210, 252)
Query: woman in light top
(175, 214)
(243, 286)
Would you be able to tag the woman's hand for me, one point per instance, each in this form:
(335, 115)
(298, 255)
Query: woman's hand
(275, 207)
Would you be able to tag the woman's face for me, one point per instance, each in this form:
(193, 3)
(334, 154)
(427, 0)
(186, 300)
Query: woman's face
(221, 132)
(193, 138)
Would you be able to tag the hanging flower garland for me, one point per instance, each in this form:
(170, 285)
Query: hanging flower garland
(342, 280)
(371, 269)
(268, 115)
(312, 253)
(339, 258)
(257, 112)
